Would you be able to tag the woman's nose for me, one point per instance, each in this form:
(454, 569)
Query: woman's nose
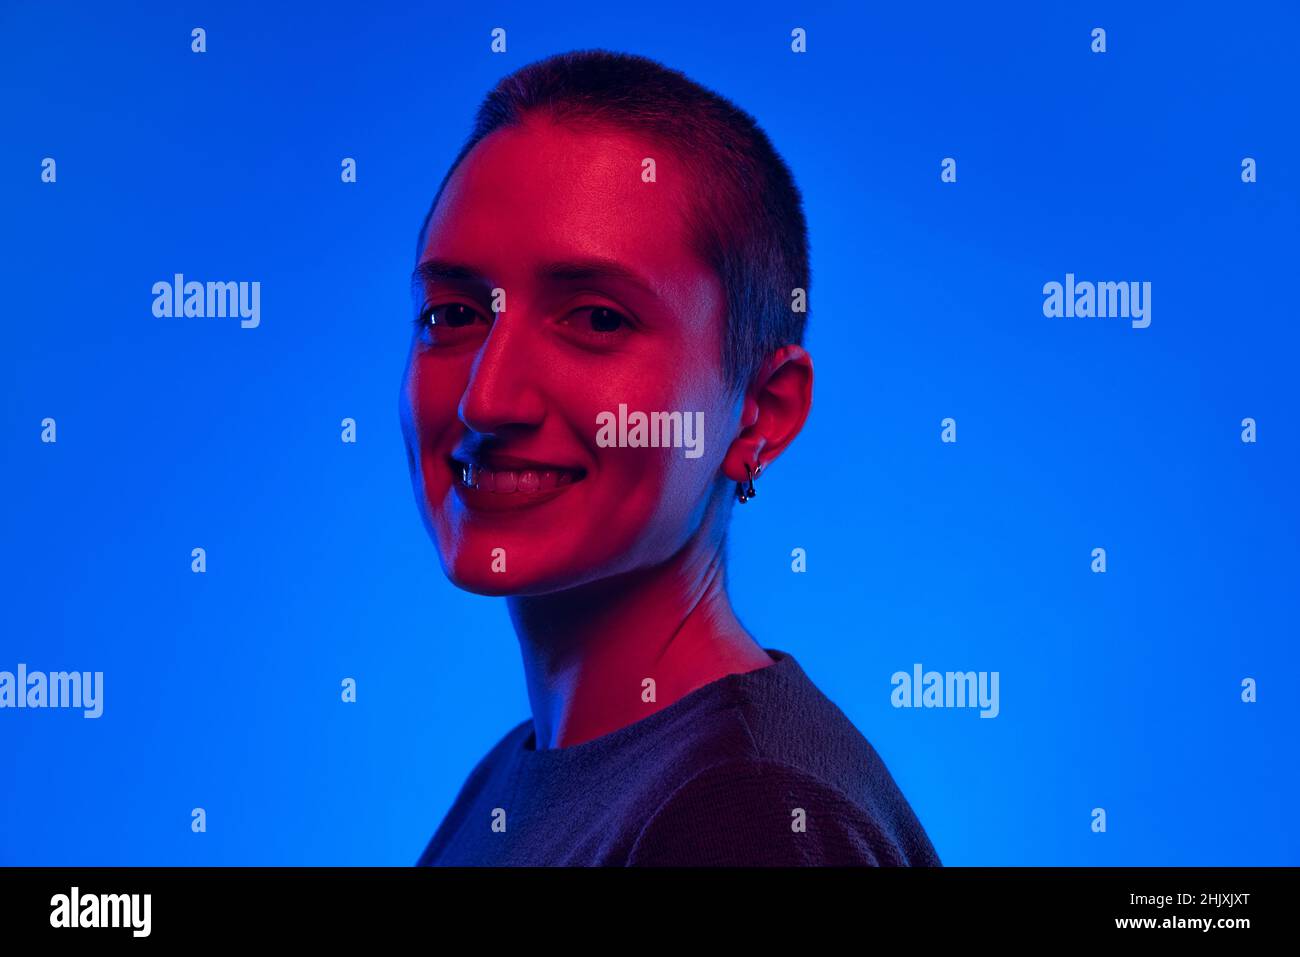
(502, 388)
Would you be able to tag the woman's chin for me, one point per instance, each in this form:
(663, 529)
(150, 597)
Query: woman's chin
(490, 589)
(497, 584)
(501, 561)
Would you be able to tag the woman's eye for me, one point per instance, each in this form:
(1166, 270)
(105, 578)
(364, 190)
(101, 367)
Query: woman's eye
(453, 315)
(449, 324)
(601, 319)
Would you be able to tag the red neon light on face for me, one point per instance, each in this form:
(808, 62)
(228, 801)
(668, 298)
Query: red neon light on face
(604, 304)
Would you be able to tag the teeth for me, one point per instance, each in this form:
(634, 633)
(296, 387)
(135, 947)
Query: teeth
(507, 481)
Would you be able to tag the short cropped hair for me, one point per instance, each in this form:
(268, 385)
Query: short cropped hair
(747, 221)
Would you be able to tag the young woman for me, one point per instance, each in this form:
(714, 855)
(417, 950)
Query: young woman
(611, 291)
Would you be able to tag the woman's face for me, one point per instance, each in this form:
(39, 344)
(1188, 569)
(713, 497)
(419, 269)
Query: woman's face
(604, 306)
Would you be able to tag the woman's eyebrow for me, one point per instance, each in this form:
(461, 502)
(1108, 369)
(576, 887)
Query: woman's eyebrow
(569, 270)
(443, 270)
(576, 270)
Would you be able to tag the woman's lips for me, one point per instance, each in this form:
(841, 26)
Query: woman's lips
(514, 481)
(493, 488)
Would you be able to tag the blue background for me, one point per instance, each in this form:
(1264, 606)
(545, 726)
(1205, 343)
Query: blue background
(1119, 690)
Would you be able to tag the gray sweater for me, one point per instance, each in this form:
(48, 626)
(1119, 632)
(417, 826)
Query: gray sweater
(754, 769)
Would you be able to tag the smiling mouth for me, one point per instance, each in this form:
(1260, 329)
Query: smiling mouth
(521, 479)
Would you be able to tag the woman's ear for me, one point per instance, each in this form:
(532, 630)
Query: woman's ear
(774, 409)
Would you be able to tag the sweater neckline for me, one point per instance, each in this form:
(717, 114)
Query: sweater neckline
(783, 666)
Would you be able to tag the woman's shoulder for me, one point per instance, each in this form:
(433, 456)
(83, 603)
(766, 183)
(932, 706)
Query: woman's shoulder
(790, 720)
(751, 811)
(783, 772)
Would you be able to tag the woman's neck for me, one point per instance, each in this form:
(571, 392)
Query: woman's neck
(587, 652)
